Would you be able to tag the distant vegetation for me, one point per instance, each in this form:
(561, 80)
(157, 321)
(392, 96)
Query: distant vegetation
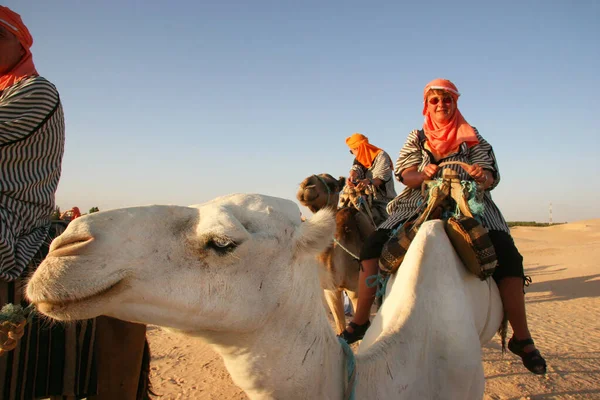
(532, 223)
(55, 214)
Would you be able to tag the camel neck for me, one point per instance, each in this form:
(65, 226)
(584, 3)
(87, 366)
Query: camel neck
(295, 352)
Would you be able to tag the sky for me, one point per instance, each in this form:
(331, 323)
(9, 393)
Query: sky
(183, 101)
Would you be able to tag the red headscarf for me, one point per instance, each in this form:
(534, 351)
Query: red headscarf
(366, 152)
(12, 22)
(445, 138)
(76, 212)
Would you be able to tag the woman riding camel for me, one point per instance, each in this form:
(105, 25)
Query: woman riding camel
(446, 136)
(372, 167)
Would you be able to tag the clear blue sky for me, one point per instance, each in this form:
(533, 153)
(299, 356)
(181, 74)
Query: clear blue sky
(179, 102)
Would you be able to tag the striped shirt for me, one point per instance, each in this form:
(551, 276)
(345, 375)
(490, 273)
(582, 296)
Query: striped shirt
(414, 153)
(381, 168)
(32, 136)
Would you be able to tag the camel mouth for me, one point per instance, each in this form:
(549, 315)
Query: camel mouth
(57, 307)
(69, 246)
(307, 196)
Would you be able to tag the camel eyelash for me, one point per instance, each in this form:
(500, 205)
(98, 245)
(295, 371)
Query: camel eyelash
(221, 244)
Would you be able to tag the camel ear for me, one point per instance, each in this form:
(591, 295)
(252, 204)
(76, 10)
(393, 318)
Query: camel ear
(341, 182)
(315, 235)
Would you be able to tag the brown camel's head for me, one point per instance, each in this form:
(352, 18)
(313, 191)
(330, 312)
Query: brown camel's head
(320, 191)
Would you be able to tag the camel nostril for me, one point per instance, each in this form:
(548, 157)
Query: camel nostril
(69, 246)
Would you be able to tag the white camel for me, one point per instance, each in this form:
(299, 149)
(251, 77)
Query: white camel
(241, 272)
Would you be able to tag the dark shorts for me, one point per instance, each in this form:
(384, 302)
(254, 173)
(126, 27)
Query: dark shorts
(510, 261)
(374, 244)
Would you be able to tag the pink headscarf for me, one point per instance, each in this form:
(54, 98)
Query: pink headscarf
(445, 138)
(12, 22)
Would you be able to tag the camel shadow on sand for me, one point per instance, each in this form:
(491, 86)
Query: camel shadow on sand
(561, 370)
(588, 394)
(561, 289)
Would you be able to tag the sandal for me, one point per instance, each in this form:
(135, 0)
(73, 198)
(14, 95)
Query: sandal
(357, 334)
(532, 360)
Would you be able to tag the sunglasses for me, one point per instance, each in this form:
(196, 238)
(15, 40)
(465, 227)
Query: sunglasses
(445, 100)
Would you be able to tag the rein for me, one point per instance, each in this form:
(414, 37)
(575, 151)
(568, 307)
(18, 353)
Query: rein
(326, 187)
(349, 393)
(364, 203)
(346, 250)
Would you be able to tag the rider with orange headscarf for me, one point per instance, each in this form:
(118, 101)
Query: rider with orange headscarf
(447, 136)
(47, 361)
(32, 135)
(372, 167)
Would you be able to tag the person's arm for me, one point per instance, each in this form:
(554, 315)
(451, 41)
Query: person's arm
(484, 167)
(409, 159)
(356, 173)
(381, 170)
(413, 178)
(22, 112)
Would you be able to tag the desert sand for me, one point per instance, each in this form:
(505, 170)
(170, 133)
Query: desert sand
(563, 305)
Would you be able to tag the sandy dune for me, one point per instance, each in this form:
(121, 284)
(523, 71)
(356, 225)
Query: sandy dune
(564, 312)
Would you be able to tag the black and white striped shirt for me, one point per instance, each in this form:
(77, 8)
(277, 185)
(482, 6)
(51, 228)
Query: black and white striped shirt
(382, 168)
(32, 137)
(414, 153)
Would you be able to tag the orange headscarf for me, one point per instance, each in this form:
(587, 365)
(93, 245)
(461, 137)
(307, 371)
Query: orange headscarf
(366, 152)
(445, 138)
(12, 22)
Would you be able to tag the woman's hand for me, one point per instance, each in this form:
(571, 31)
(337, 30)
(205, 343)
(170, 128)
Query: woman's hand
(483, 178)
(476, 172)
(429, 171)
(352, 177)
(363, 183)
(413, 178)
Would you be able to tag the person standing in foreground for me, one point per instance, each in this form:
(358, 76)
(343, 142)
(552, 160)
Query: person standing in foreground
(32, 136)
(48, 361)
(446, 136)
(372, 167)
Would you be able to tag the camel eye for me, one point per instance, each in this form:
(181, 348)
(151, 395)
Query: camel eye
(221, 244)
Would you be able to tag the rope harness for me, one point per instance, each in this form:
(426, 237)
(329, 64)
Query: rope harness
(349, 393)
(346, 250)
(326, 187)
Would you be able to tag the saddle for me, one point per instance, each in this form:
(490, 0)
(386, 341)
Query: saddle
(468, 237)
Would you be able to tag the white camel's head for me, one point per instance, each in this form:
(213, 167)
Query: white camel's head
(224, 264)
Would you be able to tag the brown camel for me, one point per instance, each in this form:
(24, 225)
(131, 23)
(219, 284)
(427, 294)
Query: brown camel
(341, 259)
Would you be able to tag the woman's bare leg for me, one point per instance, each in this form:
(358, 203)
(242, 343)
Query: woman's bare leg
(513, 300)
(366, 294)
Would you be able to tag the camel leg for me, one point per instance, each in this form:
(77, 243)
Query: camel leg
(336, 305)
(120, 348)
(353, 296)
